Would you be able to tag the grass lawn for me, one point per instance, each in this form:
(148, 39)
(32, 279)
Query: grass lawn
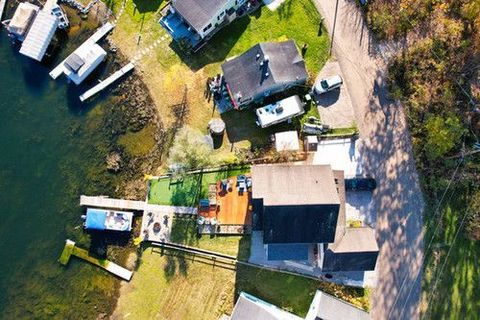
(166, 70)
(178, 286)
(184, 231)
(457, 295)
(191, 189)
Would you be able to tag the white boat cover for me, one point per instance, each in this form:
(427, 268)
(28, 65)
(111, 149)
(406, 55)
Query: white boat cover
(39, 36)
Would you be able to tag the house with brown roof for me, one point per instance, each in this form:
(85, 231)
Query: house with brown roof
(300, 212)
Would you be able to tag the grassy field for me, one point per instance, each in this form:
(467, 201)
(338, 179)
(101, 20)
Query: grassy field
(457, 291)
(166, 70)
(171, 285)
(190, 189)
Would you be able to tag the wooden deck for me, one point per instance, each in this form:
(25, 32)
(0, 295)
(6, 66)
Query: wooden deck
(233, 208)
(121, 204)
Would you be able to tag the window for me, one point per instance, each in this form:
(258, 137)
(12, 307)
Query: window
(207, 27)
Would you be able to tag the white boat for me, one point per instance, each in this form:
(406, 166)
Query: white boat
(63, 22)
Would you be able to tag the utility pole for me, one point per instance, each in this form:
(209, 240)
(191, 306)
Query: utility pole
(334, 24)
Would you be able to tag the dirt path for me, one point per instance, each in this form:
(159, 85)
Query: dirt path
(398, 199)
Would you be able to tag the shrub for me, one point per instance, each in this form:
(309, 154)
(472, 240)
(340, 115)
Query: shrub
(442, 134)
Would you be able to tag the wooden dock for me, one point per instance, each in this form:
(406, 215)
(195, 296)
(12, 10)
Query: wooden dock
(99, 34)
(3, 4)
(121, 204)
(71, 250)
(105, 202)
(105, 83)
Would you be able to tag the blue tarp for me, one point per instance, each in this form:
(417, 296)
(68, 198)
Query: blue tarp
(96, 219)
(291, 251)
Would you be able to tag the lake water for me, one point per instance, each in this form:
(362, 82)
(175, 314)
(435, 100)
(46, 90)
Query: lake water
(52, 149)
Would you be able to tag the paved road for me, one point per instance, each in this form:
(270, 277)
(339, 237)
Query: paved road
(398, 198)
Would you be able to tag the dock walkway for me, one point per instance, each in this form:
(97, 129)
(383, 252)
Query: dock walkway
(121, 204)
(3, 4)
(99, 34)
(105, 83)
(71, 250)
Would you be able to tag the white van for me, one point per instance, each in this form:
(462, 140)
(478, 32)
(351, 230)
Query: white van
(326, 85)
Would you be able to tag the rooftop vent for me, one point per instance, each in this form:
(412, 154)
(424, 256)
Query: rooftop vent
(267, 74)
(257, 56)
(266, 58)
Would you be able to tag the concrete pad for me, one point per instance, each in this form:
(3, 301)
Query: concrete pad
(273, 4)
(335, 107)
(359, 206)
(341, 154)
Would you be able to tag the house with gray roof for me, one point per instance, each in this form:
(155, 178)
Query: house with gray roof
(300, 211)
(195, 21)
(323, 307)
(263, 70)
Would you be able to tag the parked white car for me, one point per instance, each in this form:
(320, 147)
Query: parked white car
(329, 84)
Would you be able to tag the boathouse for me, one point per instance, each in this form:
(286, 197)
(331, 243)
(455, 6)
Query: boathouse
(40, 35)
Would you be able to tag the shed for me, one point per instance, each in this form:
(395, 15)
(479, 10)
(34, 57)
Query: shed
(287, 141)
(311, 143)
(39, 36)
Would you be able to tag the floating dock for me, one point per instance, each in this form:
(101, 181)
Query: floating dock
(3, 4)
(99, 34)
(105, 83)
(71, 250)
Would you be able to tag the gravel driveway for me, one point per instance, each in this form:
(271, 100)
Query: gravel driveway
(335, 107)
(388, 157)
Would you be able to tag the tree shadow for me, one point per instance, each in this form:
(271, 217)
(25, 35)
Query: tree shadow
(187, 193)
(398, 202)
(144, 6)
(216, 49)
(285, 10)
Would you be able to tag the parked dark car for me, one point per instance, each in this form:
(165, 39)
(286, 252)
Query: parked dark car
(360, 184)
